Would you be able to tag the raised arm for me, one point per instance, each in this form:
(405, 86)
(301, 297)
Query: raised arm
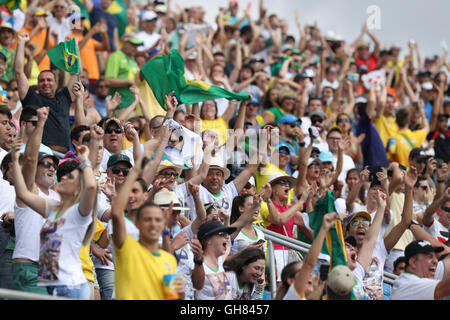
(119, 203)
(365, 253)
(304, 274)
(199, 207)
(396, 233)
(89, 191)
(30, 199)
(80, 115)
(30, 156)
(21, 78)
(354, 192)
(439, 199)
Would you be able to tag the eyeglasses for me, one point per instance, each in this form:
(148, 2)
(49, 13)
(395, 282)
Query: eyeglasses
(314, 165)
(116, 130)
(33, 122)
(137, 128)
(48, 164)
(285, 182)
(168, 174)
(119, 170)
(316, 120)
(356, 223)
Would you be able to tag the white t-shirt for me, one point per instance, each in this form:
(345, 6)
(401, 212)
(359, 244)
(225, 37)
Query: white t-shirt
(185, 263)
(106, 154)
(347, 164)
(27, 227)
(411, 287)
(148, 39)
(242, 240)
(62, 29)
(217, 285)
(435, 230)
(291, 294)
(224, 199)
(244, 293)
(61, 240)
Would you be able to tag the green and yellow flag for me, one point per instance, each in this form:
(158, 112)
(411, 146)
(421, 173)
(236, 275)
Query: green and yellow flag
(119, 9)
(65, 56)
(333, 245)
(11, 4)
(165, 74)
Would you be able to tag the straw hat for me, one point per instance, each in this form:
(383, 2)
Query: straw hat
(215, 163)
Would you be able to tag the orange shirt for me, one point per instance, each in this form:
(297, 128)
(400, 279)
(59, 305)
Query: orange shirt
(88, 56)
(39, 41)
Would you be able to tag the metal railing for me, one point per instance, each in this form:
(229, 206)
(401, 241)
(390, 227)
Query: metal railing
(21, 295)
(273, 237)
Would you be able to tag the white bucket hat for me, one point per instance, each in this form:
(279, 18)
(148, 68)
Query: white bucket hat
(163, 199)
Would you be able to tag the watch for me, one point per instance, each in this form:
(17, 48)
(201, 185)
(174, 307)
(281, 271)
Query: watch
(413, 222)
(302, 144)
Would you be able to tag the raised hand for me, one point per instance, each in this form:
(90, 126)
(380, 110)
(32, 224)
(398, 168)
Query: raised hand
(266, 192)
(381, 199)
(193, 188)
(411, 177)
(196, 248)
(96, 132)
(365, 175)
(328, 220)
(109, 188)
(171, 103)
(442, 172)
(23, 37)
(42, 114)
(179, 241)
(113, 102)
(130, 132)
(78, 90)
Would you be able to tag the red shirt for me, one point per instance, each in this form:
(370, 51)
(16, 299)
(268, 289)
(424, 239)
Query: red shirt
(279, 229)
(371, 62)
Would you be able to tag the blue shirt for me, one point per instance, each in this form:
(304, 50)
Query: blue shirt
(100, 106)
(372, 146)
(95, 15)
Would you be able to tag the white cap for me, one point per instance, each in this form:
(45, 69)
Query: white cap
(164, 197)
(149, 15)
(427, 86)
(341, 280)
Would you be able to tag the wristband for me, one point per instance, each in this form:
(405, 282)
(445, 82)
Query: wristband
(302, 144)
(166, 233)
(441, 181)
(198, 262)
(84, 164)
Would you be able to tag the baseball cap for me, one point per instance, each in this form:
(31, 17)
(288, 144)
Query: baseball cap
(420, 246)
(132, 38)
(361, 99)
(283, 146)
(116, 158)
(107, 122)
(417, 153)
(341, 281)
(149, 15)
(212, 227)
(160, 8)
(253, 101)
(326, 156)
(288, 119)
(312, 160)
(363, 214)
(318, 113)
(427, 86)
(39, 12)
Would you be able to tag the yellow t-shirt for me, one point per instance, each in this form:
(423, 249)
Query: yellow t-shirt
(386, 127)
(86, 261)
(139, 273)
(399, 147)
(219, 126)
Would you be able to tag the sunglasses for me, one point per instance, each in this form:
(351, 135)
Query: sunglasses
(118, 170)
(424, 188)
(33, 122)
(116, 130)
(317, 120)
(285, 182)
(314, 165)
(169, 174)
(356, 223)
(343, 120)
(48, 164)
(446, 209)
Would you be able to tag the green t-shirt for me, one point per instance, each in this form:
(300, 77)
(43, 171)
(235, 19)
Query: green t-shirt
(120, 66)
(278, 113)
(8, 74)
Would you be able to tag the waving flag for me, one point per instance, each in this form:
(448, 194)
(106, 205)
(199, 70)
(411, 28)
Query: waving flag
(65, 56)
(165, 74)
(11, 4)
(119, 10)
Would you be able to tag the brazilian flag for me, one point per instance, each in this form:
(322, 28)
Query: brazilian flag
(334, 245)
(119, 10)
(65, 56)
(11, 4)
(165, 74)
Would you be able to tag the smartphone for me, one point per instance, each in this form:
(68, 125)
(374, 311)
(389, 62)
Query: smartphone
(353, 76)
(313, 132)
(439, 162)
(324, 268)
